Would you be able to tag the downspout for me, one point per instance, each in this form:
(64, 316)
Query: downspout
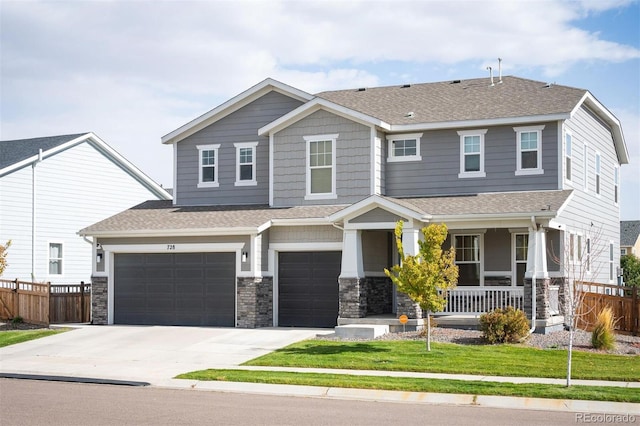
(533, 277)
(33, 215)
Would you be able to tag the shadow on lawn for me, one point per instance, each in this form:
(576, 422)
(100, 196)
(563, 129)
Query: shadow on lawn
(337, 349)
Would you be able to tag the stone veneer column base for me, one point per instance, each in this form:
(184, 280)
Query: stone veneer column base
(99, 301)
(406, 306)
(352, 295)
(254, 302)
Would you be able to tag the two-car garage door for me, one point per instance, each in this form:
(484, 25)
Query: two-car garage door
(175, 288)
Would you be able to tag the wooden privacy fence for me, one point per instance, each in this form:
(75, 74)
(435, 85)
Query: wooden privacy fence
(45, 303)
(624, 302)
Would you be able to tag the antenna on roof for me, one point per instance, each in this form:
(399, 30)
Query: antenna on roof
(500, 70)
(491, 75)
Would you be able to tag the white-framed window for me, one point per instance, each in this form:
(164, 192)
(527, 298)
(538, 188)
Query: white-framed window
(529, 141)
(588, 255)
(616, 183)
(521, 252)
(55, 258)
(472, 153)
(585, 168)
(321, 171)
(404, 147)
(567, 156)
(611, 265)
(597, 171)
(468, 259)
(572, 248)
(623, 252)
(208, 166)
(246, 163)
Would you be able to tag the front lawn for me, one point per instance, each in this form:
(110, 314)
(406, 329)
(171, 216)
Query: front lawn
(491, 360)
(18, 336)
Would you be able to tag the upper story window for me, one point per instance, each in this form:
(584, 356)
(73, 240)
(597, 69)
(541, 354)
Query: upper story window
(597, 168)
(208, 166)
(616, 183)
(404, 147)
(472, 153)
(55, 258)
(321, 173)
(611, 265)
(529, 140)
(567, 155)
(246, 163)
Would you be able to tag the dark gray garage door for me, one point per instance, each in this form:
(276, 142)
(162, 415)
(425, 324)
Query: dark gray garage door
(308, 288)
(175, 289)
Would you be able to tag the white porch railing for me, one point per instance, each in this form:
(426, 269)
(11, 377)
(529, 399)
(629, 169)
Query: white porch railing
(478, 300)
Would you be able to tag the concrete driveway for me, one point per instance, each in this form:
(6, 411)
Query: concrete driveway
(151, 354)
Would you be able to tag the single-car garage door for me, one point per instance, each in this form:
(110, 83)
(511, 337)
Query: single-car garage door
(308, 288)
(174, 289)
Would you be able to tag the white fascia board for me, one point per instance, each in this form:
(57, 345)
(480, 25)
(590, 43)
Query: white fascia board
(317, 104)
(546, 215)
(503, 121)
(232, 105)
(370, 203)
(209, 232)
(315, 246)
(45, 154)
(611, 120)
(128, 166)
(175, 248)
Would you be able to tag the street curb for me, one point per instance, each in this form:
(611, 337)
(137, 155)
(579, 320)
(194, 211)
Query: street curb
(50, 378)
(489, 401)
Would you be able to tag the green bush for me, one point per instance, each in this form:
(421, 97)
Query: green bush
(603, 336)
(504, 325)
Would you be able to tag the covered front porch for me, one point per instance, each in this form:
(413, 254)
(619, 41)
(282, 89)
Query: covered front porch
(501, 262)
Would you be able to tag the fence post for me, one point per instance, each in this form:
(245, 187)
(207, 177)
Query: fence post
(81, 301)
(634, 311)
(16, 302)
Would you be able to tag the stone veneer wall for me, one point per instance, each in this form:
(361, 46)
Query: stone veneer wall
(379, 295)
(406, 306)
(542, 297)
(352, 294)
(255, 302)
(99, 301)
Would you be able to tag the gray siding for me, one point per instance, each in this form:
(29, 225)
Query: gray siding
(305, 234)
(239, 126)
(376, 251)
(353, 160)
(377, 215)
(437, 173)
(587, 213)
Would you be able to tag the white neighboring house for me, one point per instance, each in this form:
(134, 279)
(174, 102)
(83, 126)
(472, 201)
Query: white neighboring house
(50, 188)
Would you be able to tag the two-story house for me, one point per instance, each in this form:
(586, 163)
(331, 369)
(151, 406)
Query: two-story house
(285, 203)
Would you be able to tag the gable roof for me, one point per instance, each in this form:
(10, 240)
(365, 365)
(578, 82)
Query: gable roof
(232, 105)
(629, 232)
(19, 153)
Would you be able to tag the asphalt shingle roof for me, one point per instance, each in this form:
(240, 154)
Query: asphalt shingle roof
(451, 101)
(14, 151)
(629, 232)
(156, 216)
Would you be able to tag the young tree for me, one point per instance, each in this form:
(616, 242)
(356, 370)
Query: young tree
(630, 265)
(426, 276)
(3, 256)
(581, 258)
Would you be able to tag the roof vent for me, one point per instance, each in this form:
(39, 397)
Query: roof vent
(362, 89)
(455, 82)
(548, 85)
(404, 86)
(410, 114)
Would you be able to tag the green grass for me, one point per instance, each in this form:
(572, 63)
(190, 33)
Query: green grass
(491, 360)
(18, 336)
(599, 393)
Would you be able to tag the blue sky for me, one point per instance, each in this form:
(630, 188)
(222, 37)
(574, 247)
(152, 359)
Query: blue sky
(132, 71)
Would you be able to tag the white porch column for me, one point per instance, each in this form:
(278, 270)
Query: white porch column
(352, 265)
(410, 237)
(537, 254)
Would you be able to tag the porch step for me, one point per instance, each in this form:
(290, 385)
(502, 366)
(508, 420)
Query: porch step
(361, 331)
